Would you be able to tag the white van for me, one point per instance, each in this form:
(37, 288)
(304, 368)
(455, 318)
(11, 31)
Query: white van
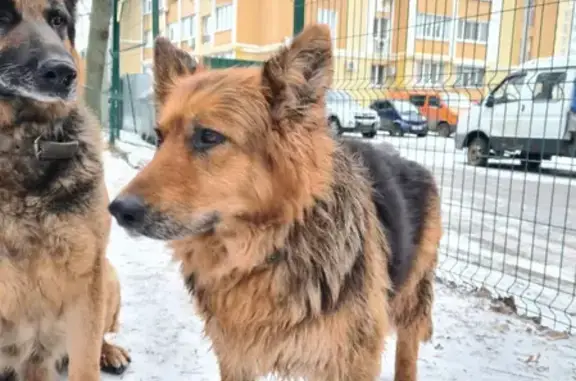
(527, 116)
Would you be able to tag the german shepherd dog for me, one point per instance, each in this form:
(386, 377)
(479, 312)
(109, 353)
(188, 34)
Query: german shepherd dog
(58, 293)
(301, 251)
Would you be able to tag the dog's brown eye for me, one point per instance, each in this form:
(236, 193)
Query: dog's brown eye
(205, 138)
(159, 137)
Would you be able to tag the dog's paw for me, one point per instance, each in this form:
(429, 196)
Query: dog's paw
(114, 359)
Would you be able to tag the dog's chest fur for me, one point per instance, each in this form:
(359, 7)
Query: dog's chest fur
(278, 314)
(48, 219)
(37, 284)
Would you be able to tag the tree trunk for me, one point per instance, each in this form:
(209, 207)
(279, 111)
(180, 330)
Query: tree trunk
(100, 18)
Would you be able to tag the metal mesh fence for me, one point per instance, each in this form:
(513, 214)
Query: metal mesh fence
(483, 94)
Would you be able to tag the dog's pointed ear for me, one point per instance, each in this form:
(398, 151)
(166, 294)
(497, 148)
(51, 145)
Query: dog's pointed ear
(170, 63)
(297, 76)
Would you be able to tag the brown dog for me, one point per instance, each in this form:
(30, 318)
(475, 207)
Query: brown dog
(301, 251)
(58, 293)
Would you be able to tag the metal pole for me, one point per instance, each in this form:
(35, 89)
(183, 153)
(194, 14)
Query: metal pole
(155, 18)
(115, 75)
(299, 6)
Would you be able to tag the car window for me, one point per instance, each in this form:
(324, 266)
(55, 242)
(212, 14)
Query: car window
(434, 102)
(404, 107)
(509, 91)
(386, 105)
(418, 100)
(549, 86)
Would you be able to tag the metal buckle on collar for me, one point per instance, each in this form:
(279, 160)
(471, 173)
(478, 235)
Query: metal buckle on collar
(48, 150)
(37, 149)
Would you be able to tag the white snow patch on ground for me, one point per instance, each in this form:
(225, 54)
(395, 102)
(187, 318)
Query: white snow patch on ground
(164, 337)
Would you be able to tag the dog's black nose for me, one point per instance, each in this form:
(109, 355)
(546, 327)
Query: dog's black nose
(59, 75)
(128, 210)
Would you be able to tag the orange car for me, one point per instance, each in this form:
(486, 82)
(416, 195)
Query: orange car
(441, 118)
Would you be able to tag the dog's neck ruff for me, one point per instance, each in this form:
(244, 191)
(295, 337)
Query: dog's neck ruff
(40, 148)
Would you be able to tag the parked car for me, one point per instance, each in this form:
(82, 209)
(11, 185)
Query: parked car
(400, 117)
(345, 114)
(442, 116)
(526, 116)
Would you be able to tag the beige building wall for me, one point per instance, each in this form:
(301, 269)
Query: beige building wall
(261, 26)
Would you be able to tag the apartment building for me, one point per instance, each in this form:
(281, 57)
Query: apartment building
(566, 29)
(240, 29)
(463, 45)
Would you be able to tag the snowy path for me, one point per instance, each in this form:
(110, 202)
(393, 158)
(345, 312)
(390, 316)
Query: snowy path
(159, 328)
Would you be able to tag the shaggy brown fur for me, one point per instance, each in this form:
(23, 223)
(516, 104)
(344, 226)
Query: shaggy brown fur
(58, 293)
(282, 239)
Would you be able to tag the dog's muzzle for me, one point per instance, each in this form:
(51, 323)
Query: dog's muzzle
(57, 76)
(129, 211)
(133, 214)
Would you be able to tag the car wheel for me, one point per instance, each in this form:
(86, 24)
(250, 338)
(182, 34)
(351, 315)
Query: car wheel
(335, 126)
(398, 130)
(443, 129)
(478, 151)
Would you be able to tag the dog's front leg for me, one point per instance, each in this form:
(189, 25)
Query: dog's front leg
(85, 332)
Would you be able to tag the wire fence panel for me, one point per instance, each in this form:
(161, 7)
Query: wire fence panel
(482, 92)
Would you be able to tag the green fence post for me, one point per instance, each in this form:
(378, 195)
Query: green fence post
(114, 117)
(155, 18)
(299, 16)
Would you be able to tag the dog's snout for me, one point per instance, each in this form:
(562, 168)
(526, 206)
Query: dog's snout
(57, 74)
(128, 210)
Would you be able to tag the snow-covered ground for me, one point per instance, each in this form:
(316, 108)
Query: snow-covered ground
(164, 337)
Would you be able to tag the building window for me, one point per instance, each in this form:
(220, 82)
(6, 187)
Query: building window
(381, 34)
(380, 28)
(206, 28)
(147, 6)
(329, 17)
(432, 26)
(429, 72)
(377, 75)
(174, 31)
(472, 31)
(189, 27)
(531, 13)
(528, 51)
(148, 41)
(383, 6)
(469, 76)
(223, 18)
